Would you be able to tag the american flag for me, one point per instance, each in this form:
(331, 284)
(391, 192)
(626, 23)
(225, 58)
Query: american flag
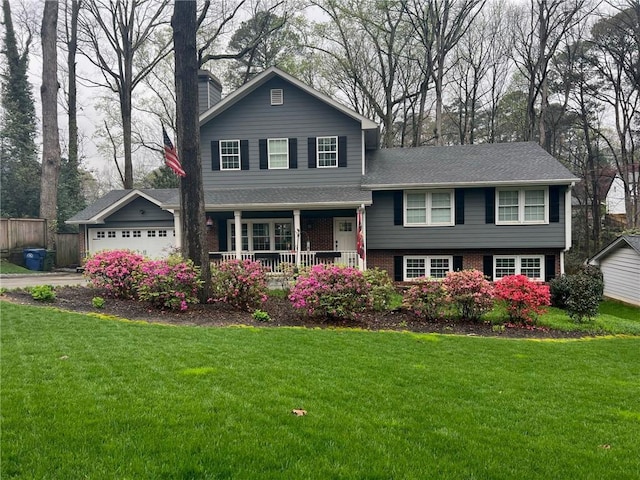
(171, 155)
(360, 237)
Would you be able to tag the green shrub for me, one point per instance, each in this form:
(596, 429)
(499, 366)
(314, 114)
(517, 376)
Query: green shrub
(585, 294)
(97, 302)
(559, 288)
(261, 316)
(382, 289)
(43, 293)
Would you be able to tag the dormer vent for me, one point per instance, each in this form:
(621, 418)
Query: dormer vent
(277, 96)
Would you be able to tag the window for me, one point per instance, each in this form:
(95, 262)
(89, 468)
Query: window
(162, 233)
(263, 235)
(111, 234)
(278, 153)
(428, 208)
(126, 234)
(137, 234)
(327, 148)
(229, 154)
(522, 206)
(151, 233)
(433, 267)
(100, 234)
(531, 266)
(277, 96)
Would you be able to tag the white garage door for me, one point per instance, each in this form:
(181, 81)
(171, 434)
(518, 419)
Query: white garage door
(151, 242)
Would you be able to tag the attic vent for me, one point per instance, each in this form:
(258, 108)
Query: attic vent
(276, 96)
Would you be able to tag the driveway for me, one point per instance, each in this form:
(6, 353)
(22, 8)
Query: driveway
(10, 281)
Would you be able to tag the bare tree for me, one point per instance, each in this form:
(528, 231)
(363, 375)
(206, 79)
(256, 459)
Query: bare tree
(192, 209)
(124, 39)
(50, 135)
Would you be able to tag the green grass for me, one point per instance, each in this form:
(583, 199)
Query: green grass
(614, 318)
(7, 267)
(90, 397)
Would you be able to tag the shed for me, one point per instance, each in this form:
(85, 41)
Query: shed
(620, 266)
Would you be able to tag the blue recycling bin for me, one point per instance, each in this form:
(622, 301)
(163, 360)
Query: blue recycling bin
(34, 258)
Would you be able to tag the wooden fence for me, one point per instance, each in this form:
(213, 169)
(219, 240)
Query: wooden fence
(17, 234)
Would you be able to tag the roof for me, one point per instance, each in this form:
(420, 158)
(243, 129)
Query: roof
(632, 241)
(267, 75)
(464, 165)
(285, 197)
(116, 199)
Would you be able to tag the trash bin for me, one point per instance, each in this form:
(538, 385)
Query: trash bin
(49, 260)
(34, 258)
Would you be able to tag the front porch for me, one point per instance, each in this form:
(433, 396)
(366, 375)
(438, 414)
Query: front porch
(277, 262)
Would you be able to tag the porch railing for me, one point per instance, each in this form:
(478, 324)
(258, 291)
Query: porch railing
(274, 260)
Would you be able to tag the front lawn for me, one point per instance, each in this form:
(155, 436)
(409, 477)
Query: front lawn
(89, 397)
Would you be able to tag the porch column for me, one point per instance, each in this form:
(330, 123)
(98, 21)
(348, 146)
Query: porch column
(177, 226)
(237, 225)
(297, 235)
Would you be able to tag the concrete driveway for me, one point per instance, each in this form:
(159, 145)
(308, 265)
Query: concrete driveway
(10, 281)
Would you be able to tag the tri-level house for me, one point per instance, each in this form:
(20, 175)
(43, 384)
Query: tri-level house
(291, 175)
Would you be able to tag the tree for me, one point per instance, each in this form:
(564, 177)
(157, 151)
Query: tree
(20, 191)
(50, 136)
(192, 209)
(123, 39)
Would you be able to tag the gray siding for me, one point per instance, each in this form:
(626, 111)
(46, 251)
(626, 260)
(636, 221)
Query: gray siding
(474, 234)
(301, 116)
(621, 271)
(130, 215)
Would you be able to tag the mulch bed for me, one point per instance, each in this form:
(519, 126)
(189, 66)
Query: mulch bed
(78, 299)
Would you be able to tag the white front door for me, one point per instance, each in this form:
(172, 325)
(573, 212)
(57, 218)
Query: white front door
(344, 234)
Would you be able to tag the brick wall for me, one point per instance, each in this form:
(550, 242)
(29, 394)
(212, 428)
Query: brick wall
(319, 233)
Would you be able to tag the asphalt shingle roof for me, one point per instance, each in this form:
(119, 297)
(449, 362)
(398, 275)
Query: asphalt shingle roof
(464, 164)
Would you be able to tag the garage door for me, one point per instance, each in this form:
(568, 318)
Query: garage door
(151, 242)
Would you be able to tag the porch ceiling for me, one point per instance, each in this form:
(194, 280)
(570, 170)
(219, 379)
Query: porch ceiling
(287, 197)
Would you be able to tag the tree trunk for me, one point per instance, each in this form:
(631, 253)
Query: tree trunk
(188, 139)
(50, 138)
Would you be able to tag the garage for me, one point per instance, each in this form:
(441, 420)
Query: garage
(152, 242)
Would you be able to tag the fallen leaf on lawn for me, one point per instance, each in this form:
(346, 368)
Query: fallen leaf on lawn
(64, 357)
(299, 412)
(605, 447)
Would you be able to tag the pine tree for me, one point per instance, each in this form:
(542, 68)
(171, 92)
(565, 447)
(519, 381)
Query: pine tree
(20, 170)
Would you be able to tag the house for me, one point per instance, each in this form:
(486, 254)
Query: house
(620, 266)
(296, 176)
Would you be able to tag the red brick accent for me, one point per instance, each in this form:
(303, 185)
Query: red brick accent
(319, 233)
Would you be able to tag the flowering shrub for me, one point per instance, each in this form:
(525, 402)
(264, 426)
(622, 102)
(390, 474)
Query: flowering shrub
(426, 298)
(524, 298)
(381, 288)
(471, 294)
(171, 283)
(333, 291)
(112, 271)
(240, 283)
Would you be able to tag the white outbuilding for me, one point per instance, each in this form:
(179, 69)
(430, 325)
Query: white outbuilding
(620, 265)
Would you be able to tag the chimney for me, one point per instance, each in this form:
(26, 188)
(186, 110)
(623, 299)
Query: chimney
(209, 90)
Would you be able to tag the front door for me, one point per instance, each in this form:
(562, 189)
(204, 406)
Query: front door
(344, 234)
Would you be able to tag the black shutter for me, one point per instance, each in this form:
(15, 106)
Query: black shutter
(457, 263)
(487, 266)
(549, 267)
(215, 155)
(398, 207)
(554, 204)
(398, 266)
(293, 153)
(264, 156)
(312, 152)
(342, 151)
(459, 206)
(489, 205)
(244, 154)
(222, 235)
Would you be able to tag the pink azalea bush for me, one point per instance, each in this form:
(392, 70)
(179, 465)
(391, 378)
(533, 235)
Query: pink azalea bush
(113, 271)
(240, 283)
(426, 298)
(332, 291)
(523, 298)
(171, 283)
(470, 293)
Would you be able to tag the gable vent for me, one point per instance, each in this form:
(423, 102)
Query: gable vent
(277, 96)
